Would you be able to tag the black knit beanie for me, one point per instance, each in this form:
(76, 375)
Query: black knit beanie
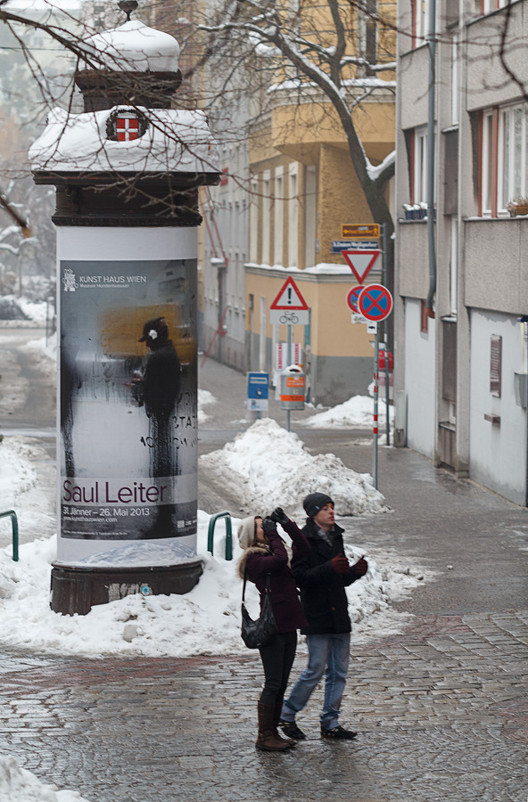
(315, 502)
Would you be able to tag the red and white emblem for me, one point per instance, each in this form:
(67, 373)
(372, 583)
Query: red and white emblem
(126, 127)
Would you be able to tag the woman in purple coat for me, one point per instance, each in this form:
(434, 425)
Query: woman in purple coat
(265, 553)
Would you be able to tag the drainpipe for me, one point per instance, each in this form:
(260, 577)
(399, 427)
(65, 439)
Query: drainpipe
(431, 159)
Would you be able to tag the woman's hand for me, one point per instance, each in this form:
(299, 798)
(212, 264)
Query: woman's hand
(268, 525)
(279, 516)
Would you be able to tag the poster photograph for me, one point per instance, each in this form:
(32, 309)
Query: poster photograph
(128, 400)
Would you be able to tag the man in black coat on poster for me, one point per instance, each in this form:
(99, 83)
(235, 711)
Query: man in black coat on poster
(322, 577)
(159, 391)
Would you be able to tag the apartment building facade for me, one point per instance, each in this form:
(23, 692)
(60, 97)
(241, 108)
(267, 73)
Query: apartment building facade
(461, 306)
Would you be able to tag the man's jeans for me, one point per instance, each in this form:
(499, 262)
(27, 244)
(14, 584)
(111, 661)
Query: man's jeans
(324, 651)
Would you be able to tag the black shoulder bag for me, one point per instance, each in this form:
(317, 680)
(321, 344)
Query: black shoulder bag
(262, 631)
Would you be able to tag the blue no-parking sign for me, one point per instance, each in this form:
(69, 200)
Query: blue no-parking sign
(353, 296)
(375, 302)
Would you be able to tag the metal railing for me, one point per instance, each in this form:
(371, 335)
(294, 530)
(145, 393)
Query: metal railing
(229, 534)
(14, 528)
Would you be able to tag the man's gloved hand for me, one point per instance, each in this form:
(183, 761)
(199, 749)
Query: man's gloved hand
(268, 525)
(279, 516)
(340, 564)
(361, 567)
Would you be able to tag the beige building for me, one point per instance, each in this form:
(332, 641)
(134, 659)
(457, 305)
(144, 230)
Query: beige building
(304, 188)
(289, 187)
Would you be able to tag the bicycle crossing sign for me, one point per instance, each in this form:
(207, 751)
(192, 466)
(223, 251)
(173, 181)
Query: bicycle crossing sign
(375, 302)
(289, 306)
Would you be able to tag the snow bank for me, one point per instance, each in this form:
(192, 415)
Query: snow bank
(20, 785)
(205, 621)
(21, 489)
(205, 398)
(272, 467)
(357, 411)
(266, 466)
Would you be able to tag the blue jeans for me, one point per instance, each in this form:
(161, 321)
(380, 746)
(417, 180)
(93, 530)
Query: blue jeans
(324, 651)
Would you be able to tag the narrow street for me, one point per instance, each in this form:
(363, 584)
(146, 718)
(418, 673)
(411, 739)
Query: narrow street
(440, 708)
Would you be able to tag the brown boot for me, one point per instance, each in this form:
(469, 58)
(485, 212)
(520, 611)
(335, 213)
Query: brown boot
(268, 739)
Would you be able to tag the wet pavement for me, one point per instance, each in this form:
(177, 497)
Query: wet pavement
(441, 708)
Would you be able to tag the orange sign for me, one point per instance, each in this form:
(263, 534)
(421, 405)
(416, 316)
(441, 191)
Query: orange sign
(360, 231)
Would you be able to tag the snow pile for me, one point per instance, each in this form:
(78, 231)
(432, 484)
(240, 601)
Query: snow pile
(21, 489)
(272, 467)
(357, 411)
(205, 398)
(37, 311)
(205, 621)
(19, 785)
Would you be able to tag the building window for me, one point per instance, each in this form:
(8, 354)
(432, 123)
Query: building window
(253, 222)
(504, 157)
(420, 12)
(367, 29)
(453, 268)
(487, 6)
(266, 217)
(495, 365)
(293, 215)
(278, 223)
(310, 215)
(419, 166)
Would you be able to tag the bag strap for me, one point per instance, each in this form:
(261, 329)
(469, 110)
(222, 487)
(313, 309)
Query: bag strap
(268, 585)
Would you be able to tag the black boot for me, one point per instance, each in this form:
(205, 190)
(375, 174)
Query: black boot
(276, 719)
(291, 729)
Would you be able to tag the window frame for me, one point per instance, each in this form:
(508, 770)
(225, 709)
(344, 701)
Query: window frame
(419, 165)
(489, 6)
(503, 159)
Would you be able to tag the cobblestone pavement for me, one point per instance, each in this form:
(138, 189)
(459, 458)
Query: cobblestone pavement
(441, 710)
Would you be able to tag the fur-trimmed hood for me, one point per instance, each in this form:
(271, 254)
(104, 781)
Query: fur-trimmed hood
(261, 549)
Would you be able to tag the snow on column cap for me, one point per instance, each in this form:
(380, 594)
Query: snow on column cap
(134, 47)
(174, 140)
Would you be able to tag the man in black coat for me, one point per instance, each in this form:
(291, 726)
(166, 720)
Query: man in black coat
(322, 577)
(160, 386)
(158, 390)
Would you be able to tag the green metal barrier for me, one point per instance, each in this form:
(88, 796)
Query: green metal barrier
(229, 534)
(14, 527)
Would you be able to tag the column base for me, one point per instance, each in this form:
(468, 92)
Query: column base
(77, 590)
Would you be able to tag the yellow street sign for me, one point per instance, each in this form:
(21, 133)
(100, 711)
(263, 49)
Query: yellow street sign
(360, 231)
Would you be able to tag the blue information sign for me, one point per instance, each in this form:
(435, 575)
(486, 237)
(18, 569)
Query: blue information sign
(257, 392)
(357, 245)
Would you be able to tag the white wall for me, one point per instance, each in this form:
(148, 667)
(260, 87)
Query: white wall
(419, 380)
(497, 451)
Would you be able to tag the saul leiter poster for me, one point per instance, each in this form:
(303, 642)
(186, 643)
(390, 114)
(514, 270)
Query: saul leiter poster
(128, 400)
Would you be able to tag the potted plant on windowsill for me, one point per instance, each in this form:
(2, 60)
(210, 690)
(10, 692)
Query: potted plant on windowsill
(518, 206)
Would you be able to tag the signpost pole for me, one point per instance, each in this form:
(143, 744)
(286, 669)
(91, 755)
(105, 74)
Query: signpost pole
(290, 362)
(375, 426)
(385, 332)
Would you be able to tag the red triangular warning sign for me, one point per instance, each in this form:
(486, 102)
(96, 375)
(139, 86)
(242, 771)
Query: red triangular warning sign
(289, 297)
(361, 262)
